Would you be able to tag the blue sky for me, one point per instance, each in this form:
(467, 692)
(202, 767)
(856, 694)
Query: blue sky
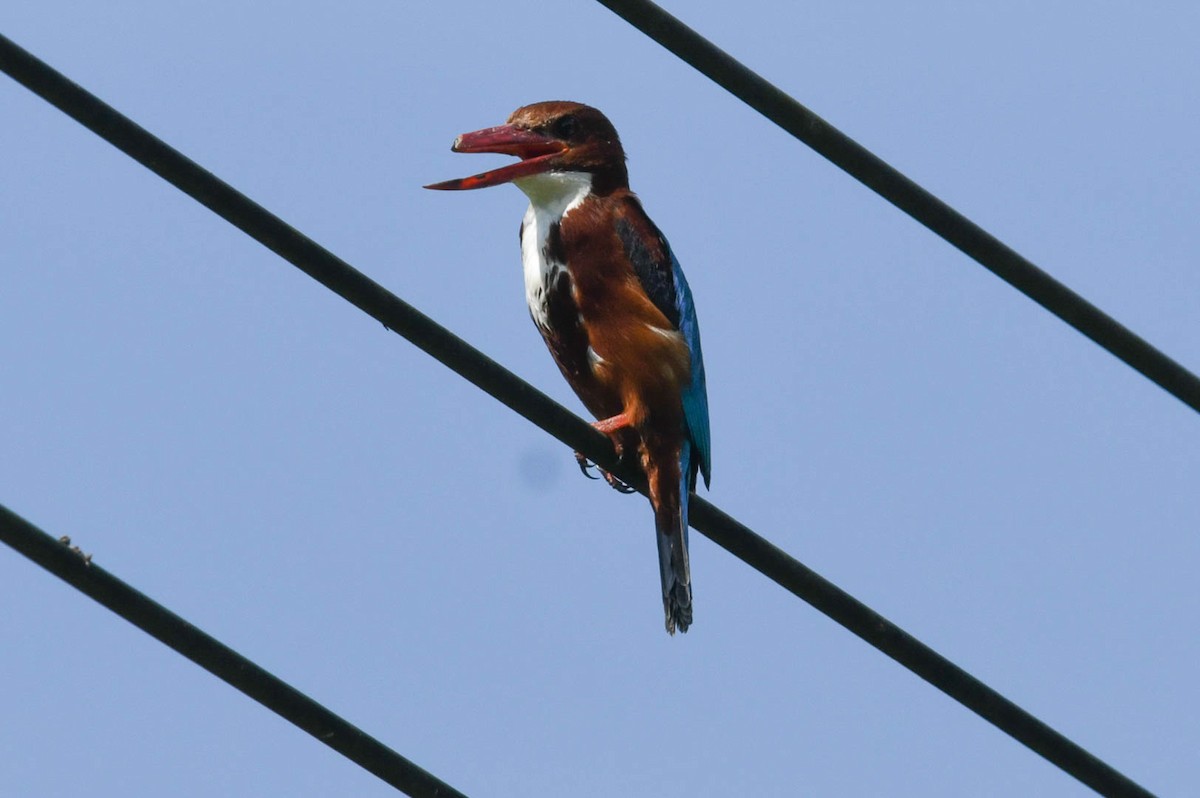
(251, 451)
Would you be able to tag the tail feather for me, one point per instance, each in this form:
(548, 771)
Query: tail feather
(676, 581)
(670, 500)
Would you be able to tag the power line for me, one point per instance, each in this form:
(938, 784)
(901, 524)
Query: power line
(219, 660)
(453, 352)
(877, 175)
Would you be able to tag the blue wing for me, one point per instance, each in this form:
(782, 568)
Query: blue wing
(695, 395)
(661, 276)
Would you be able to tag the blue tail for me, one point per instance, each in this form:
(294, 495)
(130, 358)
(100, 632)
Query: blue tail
(671, 525)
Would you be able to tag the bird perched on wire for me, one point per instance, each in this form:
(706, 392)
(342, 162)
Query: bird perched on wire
(612, 304)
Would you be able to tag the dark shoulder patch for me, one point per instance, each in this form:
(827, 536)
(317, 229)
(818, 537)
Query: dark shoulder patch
(653, 268)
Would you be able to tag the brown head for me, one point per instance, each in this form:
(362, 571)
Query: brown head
(555, 136)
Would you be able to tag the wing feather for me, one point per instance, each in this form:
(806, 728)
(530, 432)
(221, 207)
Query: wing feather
(662, 279)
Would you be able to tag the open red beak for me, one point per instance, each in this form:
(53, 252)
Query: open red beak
(535, 150)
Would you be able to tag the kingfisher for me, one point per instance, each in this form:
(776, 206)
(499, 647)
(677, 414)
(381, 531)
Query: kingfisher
(612, 305)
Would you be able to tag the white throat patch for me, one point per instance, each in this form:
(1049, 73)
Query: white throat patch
(552, 195)
(555, 193)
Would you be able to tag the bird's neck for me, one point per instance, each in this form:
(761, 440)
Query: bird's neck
(553, 195)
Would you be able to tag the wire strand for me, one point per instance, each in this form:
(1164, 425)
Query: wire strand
(921, 205)
(219, 660)
(453, 352)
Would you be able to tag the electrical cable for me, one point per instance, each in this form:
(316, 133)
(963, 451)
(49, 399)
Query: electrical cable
(60, 559)
(921, 205)
(482, 371)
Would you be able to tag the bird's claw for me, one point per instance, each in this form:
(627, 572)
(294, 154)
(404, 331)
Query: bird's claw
(586, 466)
(616, 484)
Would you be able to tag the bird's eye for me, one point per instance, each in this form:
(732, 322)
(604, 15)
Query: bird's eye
(565, 127)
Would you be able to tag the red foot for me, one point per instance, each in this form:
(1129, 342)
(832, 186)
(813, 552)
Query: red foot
(610, 425)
